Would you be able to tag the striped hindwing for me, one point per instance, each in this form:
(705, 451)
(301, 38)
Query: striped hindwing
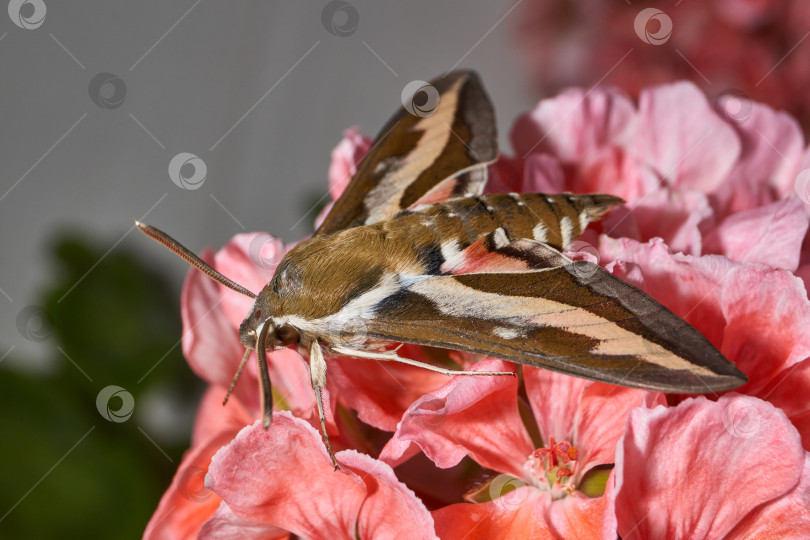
(530, 304)
(421, 158)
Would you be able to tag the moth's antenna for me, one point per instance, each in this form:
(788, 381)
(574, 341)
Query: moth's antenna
(181, 251)
(236, 377)
(265, 388)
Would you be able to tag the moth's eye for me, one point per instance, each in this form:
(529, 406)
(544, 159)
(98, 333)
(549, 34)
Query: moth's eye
(257, 314)
(287, 335)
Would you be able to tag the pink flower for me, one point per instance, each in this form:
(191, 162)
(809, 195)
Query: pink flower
(734, 468)
(689, 175)
(281, 479)
(576, 427)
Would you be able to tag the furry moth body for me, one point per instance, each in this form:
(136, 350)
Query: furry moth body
(413, 253)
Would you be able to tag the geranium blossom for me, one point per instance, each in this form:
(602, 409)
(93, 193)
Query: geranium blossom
(578, 422)
(712, 229)
(739, 459)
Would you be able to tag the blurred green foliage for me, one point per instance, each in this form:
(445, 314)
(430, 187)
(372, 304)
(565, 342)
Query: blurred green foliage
(66, 469)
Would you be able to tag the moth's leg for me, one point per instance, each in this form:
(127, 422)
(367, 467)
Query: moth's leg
(236, 377)
(317, 370)
(391, 356)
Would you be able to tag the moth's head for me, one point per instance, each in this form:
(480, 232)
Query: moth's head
(278, 335)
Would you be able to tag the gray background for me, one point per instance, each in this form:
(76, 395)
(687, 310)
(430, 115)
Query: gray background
(260, 91)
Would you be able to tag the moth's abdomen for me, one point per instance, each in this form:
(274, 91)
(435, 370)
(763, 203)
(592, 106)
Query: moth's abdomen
(556, 220)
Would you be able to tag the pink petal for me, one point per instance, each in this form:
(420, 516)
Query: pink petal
(518, 514)
(283, 477)
(543, 174)
(576, 516)
(787, 391)
(786, 517)
(345, 158)
(225, 525)
(188, 503)
(576, 125)
(391, 510)
(210, 343)
(589, 415)
(380, 392)
(772, 147)
(673, 215)
(475, 416)
(683, 139)
(213, 418)
(770, 235)
(696, 470)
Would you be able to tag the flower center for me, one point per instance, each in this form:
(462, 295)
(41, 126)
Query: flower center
(554, 467)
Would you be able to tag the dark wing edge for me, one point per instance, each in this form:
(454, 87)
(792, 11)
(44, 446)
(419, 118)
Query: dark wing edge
(414, 155)
(571, 317)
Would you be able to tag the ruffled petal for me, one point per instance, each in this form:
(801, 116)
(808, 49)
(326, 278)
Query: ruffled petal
(379, 391)
(787, 517)
(683, 139)
(518, 514)
(678, 468)
(475, 416)
(187, 503)
(225, 525)
(772, 146)
(283, 477)
(576, 125)
(345, 158)
(770, 235)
